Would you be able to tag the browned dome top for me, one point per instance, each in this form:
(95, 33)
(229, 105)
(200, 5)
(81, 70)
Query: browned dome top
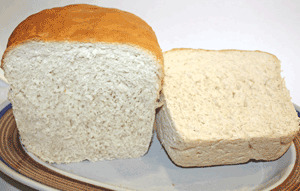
(86, 23)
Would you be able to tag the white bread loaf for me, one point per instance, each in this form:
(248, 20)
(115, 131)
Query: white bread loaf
(85, 83)
(224, 107)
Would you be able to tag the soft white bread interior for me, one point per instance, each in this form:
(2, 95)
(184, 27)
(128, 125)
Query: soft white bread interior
(90, 96)
(224, 107)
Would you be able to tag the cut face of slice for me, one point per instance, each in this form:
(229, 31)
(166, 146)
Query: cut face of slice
(230, 95)
(77, 101)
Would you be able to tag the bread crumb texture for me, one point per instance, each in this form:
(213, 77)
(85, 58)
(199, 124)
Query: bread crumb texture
(224, 107)
(75, 101)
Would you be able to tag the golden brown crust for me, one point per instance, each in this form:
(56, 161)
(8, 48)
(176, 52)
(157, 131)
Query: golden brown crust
(86, 23)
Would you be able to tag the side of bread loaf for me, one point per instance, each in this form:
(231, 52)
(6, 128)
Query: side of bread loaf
(85, 81)
(224, 107)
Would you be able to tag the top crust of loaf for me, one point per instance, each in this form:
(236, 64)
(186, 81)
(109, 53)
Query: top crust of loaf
(86, 23)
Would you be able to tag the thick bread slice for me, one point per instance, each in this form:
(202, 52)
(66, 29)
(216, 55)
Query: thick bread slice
(224, 107)
(85, 83)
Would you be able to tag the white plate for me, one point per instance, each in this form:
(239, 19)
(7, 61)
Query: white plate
(155, 171)
(4, 87)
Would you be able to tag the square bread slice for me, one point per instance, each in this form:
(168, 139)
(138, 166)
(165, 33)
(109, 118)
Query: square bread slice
(224, 107)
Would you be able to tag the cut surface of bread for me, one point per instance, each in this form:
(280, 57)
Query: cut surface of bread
(224, 107)
(76, 100)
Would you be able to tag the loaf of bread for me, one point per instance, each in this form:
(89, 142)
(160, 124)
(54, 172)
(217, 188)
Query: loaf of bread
(224, 107)
(85, 83)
